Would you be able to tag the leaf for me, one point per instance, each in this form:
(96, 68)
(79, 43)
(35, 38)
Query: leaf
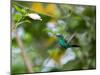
(17, 17)
(17, 8)
(22, 22)
(23, 11)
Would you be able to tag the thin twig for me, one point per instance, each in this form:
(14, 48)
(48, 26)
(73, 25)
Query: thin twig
(73, 35)
(23, 53)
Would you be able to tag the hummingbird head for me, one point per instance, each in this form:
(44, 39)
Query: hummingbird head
(59, 36)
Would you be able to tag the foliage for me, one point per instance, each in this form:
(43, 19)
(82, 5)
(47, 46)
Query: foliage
(39, 36)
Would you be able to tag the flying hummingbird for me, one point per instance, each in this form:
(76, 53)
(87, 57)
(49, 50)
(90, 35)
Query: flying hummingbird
(64, 43)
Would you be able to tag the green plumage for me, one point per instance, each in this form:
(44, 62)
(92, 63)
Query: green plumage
(63, 43)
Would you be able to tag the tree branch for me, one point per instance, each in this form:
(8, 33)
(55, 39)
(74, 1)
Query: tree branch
(23, 53)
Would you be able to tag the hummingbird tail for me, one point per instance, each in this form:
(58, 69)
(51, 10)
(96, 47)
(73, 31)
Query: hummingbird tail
(75, 46)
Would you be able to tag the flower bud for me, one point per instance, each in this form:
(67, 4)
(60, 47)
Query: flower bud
(35, 16)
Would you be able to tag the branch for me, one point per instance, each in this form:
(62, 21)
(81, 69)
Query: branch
(23, 53)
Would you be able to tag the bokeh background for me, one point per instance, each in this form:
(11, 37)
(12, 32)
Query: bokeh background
(37, 47)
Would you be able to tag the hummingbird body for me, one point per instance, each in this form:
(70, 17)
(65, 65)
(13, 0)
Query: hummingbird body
(63, 43)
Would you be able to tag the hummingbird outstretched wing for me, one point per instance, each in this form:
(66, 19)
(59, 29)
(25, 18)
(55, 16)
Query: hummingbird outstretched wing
(69, 45)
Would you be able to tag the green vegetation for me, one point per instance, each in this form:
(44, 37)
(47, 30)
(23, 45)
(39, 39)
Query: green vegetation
(34, 36)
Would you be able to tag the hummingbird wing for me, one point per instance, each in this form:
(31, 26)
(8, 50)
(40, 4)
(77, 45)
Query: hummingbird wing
(68, 45)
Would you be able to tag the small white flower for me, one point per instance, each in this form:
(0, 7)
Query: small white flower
(35, 16)
(51, 25)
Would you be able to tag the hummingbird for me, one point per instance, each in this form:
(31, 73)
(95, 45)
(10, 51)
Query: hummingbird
(57, 53)
(64, 43)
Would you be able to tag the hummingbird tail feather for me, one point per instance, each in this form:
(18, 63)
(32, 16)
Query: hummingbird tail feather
(75, 46)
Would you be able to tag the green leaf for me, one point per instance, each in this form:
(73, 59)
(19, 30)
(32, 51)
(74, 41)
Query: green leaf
(22, 22)
(17, 17)
(17, 8)
(23, 11)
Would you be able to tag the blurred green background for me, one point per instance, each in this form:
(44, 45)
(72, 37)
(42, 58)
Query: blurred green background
(38, 36)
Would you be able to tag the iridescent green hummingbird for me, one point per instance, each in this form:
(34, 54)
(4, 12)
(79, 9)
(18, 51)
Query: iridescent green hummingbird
(64, 43)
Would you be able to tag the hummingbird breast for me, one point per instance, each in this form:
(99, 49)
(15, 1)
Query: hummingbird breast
(63, 43)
